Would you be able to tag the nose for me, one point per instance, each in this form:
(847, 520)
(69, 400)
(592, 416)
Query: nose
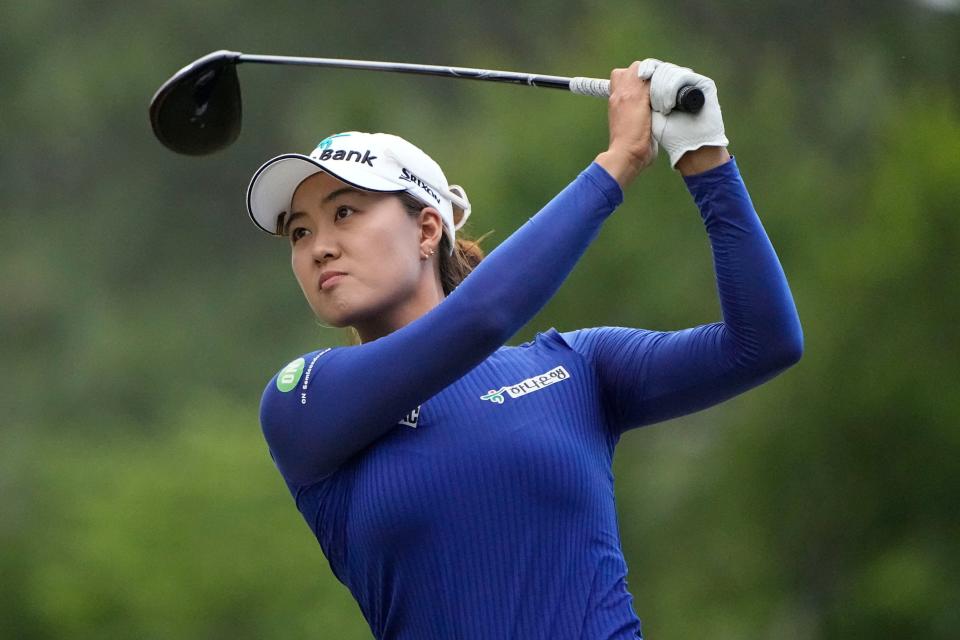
(324, 248)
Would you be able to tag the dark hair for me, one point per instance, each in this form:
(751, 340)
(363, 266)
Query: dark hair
(465, 257)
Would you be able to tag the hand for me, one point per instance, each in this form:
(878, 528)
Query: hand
(632, 146)
(678, 132)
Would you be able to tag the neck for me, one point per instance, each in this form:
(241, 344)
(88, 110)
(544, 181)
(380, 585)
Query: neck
(427, 297)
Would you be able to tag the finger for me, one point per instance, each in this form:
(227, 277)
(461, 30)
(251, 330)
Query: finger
(626, 82)
(617, 77)
(667, 81)
(647, 67)
(643, 90)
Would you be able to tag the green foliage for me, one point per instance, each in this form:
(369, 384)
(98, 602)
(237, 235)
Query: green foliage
(184, 533)
(142, 313)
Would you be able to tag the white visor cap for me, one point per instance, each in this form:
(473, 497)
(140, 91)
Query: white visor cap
(378, 162)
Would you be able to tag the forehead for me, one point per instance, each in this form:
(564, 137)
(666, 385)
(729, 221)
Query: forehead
(318, 185)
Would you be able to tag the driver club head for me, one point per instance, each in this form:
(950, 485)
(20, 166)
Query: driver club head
(198, 110)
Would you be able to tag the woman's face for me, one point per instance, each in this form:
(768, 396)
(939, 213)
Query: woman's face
(368, 237)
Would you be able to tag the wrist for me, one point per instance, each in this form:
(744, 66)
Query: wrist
(702, 159)
(621, 165)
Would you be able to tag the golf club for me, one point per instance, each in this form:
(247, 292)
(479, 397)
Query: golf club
(198, 110)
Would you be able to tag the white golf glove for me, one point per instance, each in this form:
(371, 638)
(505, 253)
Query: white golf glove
(676, 131)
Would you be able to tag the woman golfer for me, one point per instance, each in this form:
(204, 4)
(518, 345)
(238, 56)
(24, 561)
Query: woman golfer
(461, 488)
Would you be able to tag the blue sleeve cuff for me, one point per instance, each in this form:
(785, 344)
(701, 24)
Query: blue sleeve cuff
(605, 183)
(726, 172)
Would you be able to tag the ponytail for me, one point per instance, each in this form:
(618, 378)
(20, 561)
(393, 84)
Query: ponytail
(455, 267)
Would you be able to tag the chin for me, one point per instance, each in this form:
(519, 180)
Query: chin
(327, 316)
(337, 318)
(340, 313)
(333, 324)
(335, 321)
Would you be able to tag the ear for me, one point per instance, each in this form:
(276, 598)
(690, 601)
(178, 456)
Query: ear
(431, 229)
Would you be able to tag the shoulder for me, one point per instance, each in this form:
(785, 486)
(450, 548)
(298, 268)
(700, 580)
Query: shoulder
(551, 338)
(582, 339)
(575, 339)
(297, 372)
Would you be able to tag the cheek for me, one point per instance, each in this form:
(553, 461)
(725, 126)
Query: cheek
(306, 275)
(389, 263)
(301, 266)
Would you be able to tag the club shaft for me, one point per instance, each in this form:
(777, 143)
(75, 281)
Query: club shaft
(531, 79)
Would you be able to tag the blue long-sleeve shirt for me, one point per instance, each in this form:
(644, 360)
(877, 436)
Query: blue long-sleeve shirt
(463, 489)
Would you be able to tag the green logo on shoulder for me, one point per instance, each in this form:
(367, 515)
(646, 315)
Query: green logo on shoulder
(289, 376)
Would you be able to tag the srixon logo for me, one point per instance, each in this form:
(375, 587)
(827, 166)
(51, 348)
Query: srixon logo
(409, 177)
(347, 155)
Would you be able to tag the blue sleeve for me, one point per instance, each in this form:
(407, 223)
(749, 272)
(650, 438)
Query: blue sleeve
(320, 411)
(650, 376)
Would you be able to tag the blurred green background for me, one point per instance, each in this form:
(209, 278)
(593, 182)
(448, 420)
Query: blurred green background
(141, 313)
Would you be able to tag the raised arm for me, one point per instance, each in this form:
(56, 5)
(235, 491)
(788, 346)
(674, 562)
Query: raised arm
(650, 376)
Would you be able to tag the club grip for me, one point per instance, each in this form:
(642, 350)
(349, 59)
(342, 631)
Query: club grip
(689, 98)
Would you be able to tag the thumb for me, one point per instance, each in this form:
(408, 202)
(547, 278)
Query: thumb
(658, 123)
(647, 67)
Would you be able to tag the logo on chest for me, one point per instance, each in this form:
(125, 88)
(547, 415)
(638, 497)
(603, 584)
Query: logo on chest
(534, 383)
(410, 420)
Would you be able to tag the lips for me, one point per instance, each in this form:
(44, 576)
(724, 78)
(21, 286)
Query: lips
(330, 278)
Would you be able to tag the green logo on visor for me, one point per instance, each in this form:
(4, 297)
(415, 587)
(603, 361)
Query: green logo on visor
(326, 142)
(289, 376)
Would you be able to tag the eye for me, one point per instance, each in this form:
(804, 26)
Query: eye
(345, 210)
(296, 233)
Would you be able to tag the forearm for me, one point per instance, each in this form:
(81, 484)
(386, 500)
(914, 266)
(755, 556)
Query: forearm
(760, 318)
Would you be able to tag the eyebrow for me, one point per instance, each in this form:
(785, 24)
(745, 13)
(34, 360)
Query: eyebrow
(340, 192)
(288, 222)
